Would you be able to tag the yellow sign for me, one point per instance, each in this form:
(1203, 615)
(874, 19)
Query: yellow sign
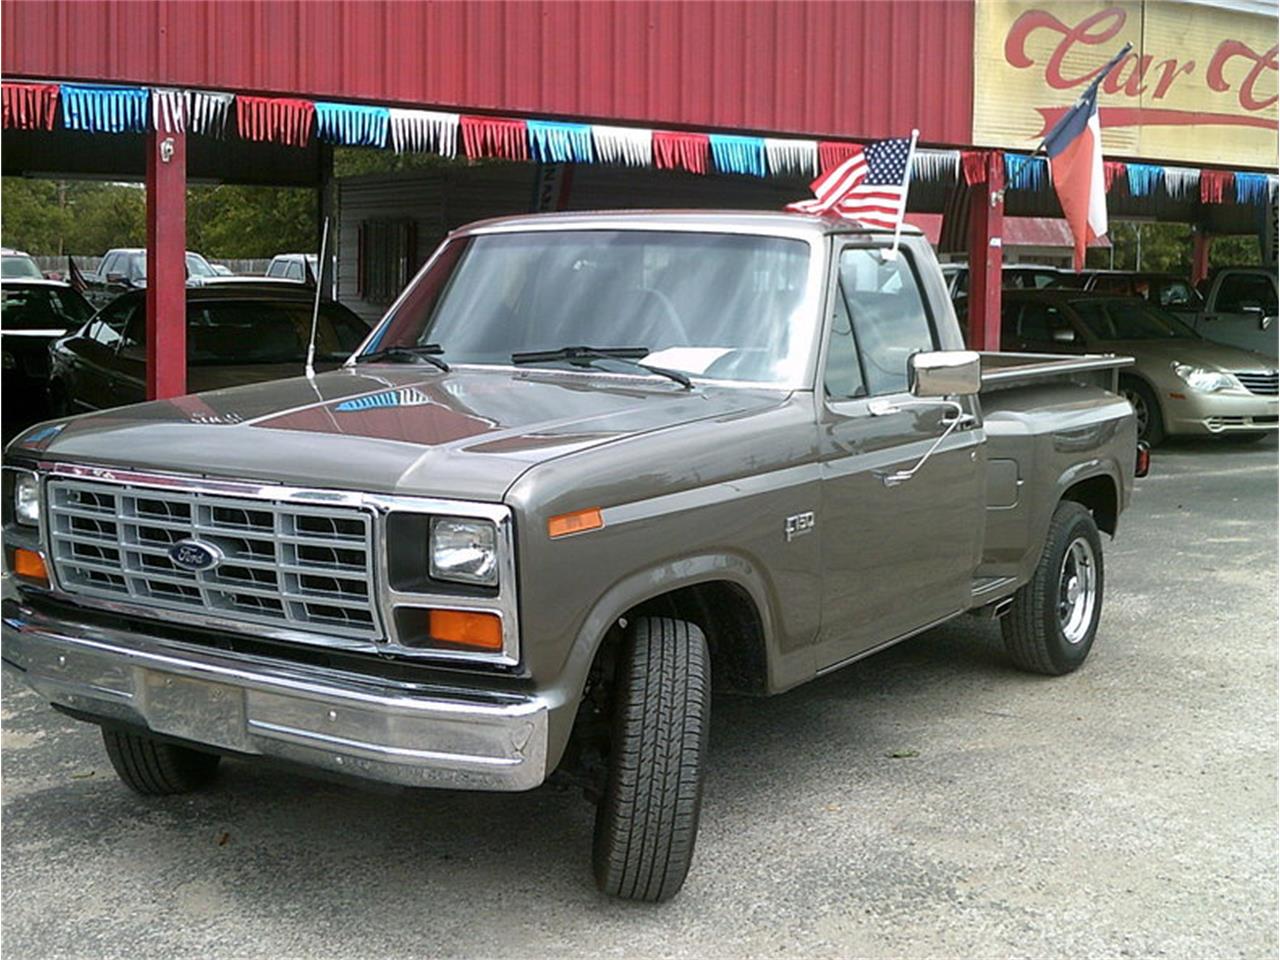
(1199, 87)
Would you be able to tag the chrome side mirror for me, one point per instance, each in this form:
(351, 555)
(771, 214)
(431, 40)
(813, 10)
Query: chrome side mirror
(946, 373)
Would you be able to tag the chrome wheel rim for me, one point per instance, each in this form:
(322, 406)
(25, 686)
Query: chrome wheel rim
(1140, 411)
(1077, 590)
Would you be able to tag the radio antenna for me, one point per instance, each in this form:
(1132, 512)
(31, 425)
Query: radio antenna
(315, 310)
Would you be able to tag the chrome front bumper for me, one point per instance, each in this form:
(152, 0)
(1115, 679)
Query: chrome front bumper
(349, 724)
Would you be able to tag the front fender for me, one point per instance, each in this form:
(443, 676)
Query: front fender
(650, 583)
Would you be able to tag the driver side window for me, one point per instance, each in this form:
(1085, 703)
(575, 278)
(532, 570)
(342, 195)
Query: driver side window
(888, 316)
(112, 320)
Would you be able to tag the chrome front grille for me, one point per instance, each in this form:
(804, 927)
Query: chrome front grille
(299, 567)
(1263, 384)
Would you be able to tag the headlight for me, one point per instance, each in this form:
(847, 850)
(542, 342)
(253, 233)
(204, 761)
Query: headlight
(26, 500)
(1204, 381)
(465, 551)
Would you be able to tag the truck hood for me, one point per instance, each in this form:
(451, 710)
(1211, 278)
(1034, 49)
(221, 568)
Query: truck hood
(387, 429)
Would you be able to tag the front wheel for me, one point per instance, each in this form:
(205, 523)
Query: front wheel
(1054, 618)
(648, 817)
(1146, 410)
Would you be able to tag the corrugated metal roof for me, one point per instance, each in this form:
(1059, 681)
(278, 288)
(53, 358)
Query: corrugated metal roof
(1018, 231)
(863, 68)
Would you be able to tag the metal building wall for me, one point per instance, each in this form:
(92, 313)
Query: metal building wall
(858, 68)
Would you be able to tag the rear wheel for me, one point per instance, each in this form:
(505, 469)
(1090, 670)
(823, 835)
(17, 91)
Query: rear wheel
(647, 820)
(155, 768)
(1146, 409)
(1051, 626)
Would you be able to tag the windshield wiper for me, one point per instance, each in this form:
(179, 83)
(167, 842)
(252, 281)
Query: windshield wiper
(428, 353)
(631, 355)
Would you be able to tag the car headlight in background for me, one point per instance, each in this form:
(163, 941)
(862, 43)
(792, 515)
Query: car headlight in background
(26, 500)
(1204, 381)
(464, 551)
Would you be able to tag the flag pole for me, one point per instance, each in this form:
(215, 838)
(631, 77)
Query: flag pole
(906, 186)
(1102, 74)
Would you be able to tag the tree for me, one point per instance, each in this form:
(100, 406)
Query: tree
(1167, 247)
(87, 218)
(250, 222)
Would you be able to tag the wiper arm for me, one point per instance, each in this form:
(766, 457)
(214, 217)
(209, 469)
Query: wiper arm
(631, 355)
(581, 353)
(428, 353)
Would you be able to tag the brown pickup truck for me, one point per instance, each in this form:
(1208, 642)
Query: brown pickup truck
(588, 468)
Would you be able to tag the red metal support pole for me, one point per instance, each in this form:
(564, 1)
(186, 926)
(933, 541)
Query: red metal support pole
(166, 265)
(1200, 256)
(986, 255)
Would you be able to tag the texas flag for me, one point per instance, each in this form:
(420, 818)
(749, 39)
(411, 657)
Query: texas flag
(1074, 146)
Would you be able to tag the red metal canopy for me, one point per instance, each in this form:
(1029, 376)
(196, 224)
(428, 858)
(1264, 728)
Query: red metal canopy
(860, 69)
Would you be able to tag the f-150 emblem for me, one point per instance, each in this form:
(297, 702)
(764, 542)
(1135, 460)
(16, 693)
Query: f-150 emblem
(195, 555)
(800, 524)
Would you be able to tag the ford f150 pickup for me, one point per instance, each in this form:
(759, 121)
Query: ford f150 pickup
(588, 468)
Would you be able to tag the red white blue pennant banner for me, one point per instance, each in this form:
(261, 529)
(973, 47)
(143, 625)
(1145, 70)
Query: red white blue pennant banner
(98, 108)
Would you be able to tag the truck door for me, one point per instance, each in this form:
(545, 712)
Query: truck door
(896, 558)
(1242, 312)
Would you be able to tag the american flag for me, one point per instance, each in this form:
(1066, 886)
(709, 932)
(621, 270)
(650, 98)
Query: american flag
(870, 186)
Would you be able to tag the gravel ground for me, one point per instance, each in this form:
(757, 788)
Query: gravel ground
(927, 802)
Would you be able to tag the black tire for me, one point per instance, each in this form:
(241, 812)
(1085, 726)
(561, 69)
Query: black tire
(1034, 634)
(1146, 408)
(1252, 436)
(154, 768)
(647, 820)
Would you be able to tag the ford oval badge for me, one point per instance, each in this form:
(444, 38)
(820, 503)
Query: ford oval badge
(195, 555)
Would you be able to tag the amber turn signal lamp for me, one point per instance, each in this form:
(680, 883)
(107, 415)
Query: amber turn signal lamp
(466, 628)
(29, 565)
(580, 521)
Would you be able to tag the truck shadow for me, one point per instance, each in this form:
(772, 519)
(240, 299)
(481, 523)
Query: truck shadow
(312, 848)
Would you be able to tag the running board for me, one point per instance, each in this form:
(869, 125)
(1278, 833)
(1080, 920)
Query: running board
(986, 586)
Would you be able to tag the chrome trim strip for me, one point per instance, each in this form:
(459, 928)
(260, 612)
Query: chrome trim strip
(504, 604)
(713, 493)
(1051, 364)
(366, 727)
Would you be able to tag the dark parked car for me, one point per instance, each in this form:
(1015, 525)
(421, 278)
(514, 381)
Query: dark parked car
(33, 313)
(236, 333)
(1168, 290)
(1014, 276)
(125, 269)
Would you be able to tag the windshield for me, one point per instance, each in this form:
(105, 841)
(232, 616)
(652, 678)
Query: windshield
(1130, 319)
(716, 305)
(42, 308)
(14, 265)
